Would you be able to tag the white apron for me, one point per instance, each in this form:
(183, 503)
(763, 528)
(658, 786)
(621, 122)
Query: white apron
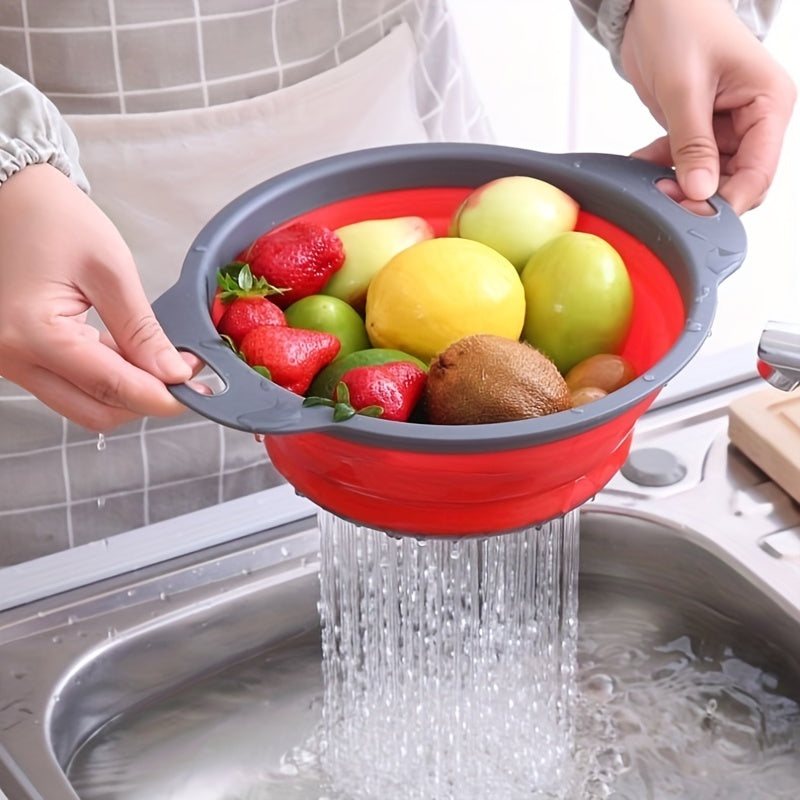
(160, 177)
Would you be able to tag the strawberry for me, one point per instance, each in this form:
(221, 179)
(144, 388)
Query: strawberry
(245, 313)
(244, 298)
(299, 258)
(291, 356)
(390, 391)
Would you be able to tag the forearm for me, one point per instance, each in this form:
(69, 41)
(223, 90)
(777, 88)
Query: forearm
(605, 20)
(32, 131)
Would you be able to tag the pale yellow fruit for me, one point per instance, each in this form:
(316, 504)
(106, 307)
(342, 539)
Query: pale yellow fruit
(440, 290)
(368, 245)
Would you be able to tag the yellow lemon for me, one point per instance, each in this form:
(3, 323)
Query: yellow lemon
(437, 291)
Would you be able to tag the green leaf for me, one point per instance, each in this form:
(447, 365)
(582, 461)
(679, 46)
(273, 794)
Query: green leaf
(263, 372)
(317, 401)
(371, 411)
(228, 341)
(237, 280)
(342, 393)
(342, 412)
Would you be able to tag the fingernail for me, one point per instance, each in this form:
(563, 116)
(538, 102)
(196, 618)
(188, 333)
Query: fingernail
(699, 184)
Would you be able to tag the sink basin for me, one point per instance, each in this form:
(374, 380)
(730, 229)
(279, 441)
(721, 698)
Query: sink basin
(199, 676)
(140, 658)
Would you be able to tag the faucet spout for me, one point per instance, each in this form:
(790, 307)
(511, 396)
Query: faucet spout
(779, 355)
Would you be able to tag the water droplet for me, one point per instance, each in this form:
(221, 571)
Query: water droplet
(101, 502)
(285, 552)
(694, 327)
(101, 441)
(599, 687)
(649, 377)
(769, 682)
(705, 291)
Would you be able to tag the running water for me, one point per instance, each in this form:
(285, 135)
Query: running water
(449, 665)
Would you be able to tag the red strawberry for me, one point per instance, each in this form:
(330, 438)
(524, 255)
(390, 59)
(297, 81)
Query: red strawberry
(292, 356)
(245, 313)
(390, 390)
(299, 258)
(244, 299)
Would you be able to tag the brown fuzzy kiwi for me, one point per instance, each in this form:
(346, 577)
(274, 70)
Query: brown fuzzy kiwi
(486, 378)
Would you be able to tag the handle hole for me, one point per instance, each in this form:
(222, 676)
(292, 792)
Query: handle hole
(701, 208)
(207, 381)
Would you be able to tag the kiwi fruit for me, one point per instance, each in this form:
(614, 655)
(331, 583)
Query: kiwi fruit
(485, 378)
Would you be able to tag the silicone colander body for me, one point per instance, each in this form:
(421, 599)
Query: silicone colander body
(430, 480)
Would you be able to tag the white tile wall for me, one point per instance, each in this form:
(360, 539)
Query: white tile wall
(549, 86)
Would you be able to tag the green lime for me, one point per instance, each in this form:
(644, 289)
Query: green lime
(325, 381)
(320, 312)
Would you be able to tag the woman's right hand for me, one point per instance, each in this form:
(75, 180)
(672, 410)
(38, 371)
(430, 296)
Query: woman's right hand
(60, 255)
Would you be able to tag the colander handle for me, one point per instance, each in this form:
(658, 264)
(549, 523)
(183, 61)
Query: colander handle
(715, 243)
(256, 405)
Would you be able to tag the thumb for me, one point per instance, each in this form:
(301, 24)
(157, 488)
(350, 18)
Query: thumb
(142, 341)
(125, 311)
(694, 147)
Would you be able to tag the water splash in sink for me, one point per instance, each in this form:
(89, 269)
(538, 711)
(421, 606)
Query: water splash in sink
(673, 702)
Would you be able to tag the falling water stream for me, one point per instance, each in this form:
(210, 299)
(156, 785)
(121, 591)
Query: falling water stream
(449, 665)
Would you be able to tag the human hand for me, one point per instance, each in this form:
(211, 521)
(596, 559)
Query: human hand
(59, 256)
(724, 101)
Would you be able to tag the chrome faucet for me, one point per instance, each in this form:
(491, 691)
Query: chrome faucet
(779, 355)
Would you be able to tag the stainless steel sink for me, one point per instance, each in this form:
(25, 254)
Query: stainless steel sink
(689, 520)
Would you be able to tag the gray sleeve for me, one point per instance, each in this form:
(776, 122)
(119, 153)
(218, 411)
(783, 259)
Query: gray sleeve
(32, 131)
(605, 19)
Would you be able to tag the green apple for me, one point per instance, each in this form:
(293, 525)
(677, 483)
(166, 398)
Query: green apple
(515, 215)
(319, 312)
(368, 245)
(578, 299)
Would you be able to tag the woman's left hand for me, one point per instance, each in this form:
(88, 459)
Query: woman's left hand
(723, 99)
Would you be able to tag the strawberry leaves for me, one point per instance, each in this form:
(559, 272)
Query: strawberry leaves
(342, 408)
(236, 280)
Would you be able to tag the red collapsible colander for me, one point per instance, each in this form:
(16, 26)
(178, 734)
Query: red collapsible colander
(460, 480)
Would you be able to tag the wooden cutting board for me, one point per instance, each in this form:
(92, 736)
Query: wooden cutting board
(765, 426)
